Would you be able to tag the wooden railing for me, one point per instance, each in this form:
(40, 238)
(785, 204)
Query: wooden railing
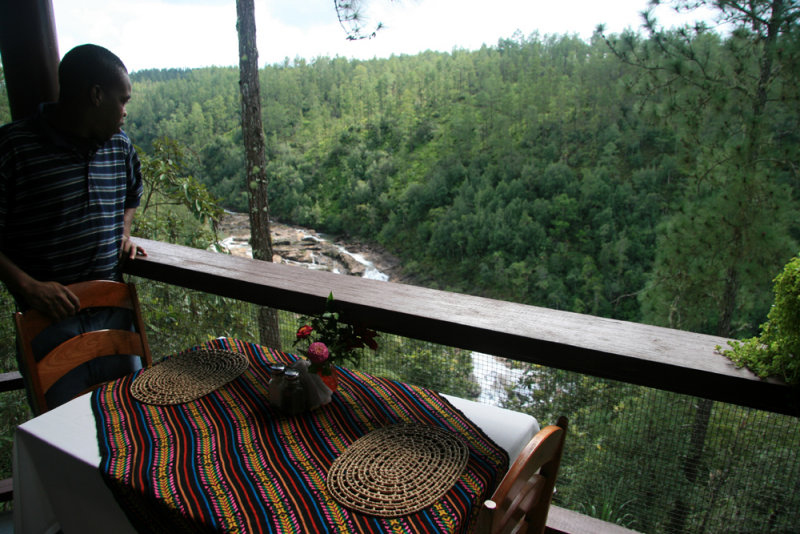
(11, 381)
(662, 358)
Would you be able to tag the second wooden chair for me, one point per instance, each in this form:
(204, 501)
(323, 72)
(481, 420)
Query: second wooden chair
(521, 501)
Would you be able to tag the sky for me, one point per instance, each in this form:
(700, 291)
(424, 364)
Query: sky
(200, 33)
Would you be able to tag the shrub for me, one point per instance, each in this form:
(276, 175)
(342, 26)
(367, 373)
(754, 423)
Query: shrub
(777, 350)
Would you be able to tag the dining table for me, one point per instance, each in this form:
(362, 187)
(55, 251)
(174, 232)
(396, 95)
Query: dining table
(230, 461)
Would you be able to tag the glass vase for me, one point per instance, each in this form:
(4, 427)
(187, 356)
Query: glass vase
(329, 377)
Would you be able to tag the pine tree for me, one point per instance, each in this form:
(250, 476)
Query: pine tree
(734, 224)
(255, 156)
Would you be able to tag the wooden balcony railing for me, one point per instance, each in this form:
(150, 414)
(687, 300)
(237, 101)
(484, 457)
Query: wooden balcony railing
(662, 358)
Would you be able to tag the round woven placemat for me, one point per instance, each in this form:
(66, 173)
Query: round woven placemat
(187, 376)
(397, 469)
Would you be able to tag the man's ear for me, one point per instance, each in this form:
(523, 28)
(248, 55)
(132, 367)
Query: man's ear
(96, 95)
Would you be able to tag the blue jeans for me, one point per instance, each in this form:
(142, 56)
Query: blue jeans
(92, 372)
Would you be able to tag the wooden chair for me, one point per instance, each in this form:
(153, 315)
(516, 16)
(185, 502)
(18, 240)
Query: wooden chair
(521, 501)
(84, 347)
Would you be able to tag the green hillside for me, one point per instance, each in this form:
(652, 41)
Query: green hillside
(544, 170)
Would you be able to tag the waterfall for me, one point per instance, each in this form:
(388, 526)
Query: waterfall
(370, 271)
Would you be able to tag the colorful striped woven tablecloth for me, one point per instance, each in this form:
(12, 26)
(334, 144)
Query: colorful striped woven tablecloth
(229, 462)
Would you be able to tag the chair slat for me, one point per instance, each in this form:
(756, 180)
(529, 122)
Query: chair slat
(83, 348)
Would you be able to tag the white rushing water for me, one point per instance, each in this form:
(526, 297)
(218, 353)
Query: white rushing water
(237, 243)
(494, 377)
(370, 271)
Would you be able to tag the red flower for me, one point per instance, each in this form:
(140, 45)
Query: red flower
(304, 331)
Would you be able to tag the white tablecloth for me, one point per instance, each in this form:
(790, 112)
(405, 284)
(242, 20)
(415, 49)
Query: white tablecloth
(57, 483)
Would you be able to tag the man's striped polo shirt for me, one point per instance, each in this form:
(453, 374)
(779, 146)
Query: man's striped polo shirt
(61, 212)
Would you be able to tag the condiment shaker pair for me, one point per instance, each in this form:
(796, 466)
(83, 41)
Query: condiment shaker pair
(286, 391)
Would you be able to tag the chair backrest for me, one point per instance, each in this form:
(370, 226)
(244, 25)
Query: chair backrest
(75, 351)
(521, 501)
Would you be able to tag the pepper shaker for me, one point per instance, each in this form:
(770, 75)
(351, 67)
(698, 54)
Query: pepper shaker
(294, 395)
(276, 384)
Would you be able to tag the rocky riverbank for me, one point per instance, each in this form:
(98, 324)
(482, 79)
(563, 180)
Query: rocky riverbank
(304, 246)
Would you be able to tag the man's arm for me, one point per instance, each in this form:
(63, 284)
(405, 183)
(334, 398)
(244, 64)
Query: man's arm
(50, 298)
(129, 249)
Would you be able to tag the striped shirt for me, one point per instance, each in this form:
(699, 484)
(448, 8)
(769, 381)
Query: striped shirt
(62, 212)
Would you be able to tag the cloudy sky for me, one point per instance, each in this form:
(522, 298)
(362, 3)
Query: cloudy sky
(198, 33)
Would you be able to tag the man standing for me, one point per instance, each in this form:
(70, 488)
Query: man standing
(70, 184)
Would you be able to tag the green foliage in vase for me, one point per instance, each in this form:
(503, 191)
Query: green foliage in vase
(544, 170)
(329, 339)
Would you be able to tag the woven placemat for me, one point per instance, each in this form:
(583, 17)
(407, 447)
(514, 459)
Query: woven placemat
(397, 469)
(187, 376)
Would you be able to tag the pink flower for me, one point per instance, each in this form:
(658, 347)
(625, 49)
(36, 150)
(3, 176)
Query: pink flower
(317, 352)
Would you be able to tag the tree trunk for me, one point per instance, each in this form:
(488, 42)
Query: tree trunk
(255, 156)
(692, 461)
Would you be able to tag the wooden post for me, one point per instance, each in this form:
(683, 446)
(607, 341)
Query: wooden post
(29, 50)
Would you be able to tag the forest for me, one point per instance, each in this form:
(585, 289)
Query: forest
(545, 170)
(648, 177)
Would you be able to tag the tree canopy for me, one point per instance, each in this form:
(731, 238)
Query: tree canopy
(543, 169)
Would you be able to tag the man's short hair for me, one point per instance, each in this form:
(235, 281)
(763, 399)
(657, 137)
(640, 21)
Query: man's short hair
(85, 66)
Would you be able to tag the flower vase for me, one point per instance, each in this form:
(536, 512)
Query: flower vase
(331, 379)
(317, 392)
